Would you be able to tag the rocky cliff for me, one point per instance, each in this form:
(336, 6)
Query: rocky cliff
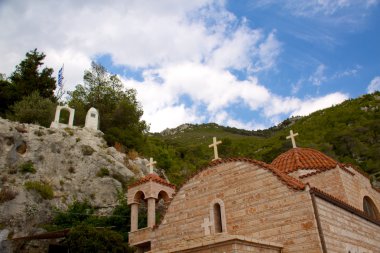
(42, 169)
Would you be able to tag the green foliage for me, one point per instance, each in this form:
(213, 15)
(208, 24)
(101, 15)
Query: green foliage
(120, 113)
(45, 190)
(76, 213)
(81, 214)
(103, 172)
(34, 109)
(85, 238)
(87, 150)
(27, 167)
(349, 132)
(26, 79)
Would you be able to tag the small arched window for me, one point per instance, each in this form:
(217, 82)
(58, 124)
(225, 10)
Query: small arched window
(218, 218)
(369, 208)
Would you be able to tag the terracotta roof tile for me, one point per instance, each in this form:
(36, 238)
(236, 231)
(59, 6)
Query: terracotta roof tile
(154, 178)
(303, 158)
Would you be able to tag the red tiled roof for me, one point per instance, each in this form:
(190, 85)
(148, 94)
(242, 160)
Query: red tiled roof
(303, 158)
(154, 178)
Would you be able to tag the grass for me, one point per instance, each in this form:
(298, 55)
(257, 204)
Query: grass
(45, 190)
(27, 167)
(103, 172)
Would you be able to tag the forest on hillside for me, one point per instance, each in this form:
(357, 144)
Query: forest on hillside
(348, 132)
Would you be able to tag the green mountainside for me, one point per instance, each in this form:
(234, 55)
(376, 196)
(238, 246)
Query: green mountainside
(348, 132)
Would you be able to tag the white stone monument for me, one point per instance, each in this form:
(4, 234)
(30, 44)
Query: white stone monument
(92, 119)
(56, 124)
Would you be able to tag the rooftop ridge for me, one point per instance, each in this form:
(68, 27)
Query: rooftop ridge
(303, 158)
(152, 177)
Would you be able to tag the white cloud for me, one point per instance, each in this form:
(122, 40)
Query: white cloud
(309, 8)
(185, 48)
(314, 104)
(318, 77)
(374, 85)
(297, 107)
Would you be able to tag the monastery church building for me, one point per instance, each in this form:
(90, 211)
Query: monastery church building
(304, 201)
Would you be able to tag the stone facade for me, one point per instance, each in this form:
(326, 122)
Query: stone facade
(242, 205)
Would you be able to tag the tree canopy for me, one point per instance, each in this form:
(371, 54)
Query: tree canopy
(26, 79)
(120, 113)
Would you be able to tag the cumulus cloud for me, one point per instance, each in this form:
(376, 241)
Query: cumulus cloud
(374, 85)
(186, 51)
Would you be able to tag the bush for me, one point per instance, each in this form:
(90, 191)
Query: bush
(103, 172)
(45, 190)
(84, 238)
(34, 109)
(76, 213)
(6, 194)
(27, 167)
(87, 150)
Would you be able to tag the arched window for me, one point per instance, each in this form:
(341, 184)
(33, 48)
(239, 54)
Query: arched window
(370, 208)
(217, 218)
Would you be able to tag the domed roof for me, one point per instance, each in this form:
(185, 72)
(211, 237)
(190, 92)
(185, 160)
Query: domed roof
(303, 159)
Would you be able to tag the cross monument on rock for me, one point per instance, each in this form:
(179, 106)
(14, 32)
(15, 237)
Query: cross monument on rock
(150, 164)
(215, 146)
(291, 136)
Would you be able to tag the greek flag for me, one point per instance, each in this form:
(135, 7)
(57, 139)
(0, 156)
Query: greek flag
(60, 77)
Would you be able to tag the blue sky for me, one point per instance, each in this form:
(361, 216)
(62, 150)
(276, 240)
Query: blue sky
(246, 64)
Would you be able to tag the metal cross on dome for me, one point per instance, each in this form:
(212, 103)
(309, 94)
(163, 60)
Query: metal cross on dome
(150, 164)
(291, 136)
(215, 146)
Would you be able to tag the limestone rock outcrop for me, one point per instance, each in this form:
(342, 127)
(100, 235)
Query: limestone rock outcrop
(69, 161)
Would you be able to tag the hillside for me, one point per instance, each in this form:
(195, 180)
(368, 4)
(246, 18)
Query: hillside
(43, 170)
(348, 132)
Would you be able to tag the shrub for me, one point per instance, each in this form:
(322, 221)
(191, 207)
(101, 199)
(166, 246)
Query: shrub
(84, 238)
(45, 190)
(71, 169)
(132, 154)
(103, 172)
(27, 167)
(69, 131)
(7, 194)
(34, 109)
(87, 150)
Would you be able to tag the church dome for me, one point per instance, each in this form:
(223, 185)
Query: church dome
(303, 159)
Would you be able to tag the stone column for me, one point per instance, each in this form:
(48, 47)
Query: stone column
(134, 217)
(151, 212)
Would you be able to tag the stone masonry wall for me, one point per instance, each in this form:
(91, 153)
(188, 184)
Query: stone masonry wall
(344, 186)
(257, 205)
(357, 187)
(346, 232)
(330, 182)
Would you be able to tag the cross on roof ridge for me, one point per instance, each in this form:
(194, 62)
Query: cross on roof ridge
(214, 145)
(291, 136)
(150, 164)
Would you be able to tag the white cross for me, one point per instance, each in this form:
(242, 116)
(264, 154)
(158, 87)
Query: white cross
(215, 144)
(291, 136)
(206, 225)
(150, 164)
